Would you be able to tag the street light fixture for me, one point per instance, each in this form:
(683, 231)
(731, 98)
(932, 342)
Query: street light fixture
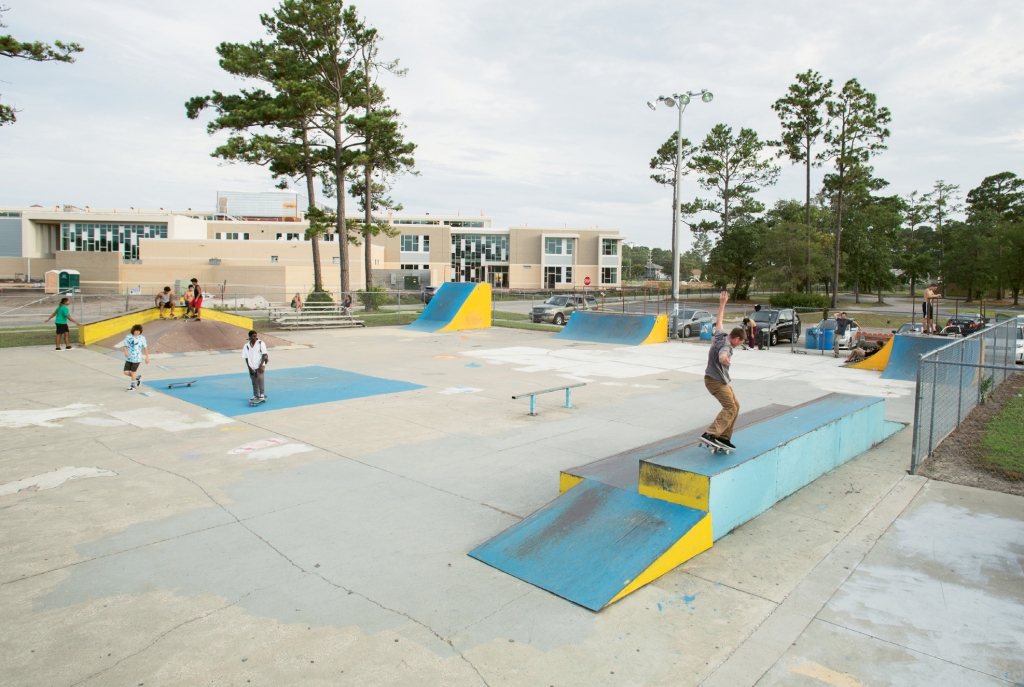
(678, 101)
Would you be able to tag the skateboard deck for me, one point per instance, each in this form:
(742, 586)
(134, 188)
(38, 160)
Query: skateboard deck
(176, 384)
(257, 402)
(714, 448)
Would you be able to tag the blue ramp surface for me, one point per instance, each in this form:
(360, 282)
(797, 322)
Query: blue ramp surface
(287, 388)
(906, 348)
(591, 541)
(443, 307)
(610, 328)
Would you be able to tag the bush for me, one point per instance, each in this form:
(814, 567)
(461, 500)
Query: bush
(319, 297)
(792, 299)
(374, 298)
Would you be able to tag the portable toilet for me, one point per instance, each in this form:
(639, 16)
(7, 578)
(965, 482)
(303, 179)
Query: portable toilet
(62, 281)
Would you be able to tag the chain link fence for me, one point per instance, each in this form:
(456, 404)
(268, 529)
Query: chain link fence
(955, 379)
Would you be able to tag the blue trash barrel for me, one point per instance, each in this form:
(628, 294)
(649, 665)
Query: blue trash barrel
(827, 339)
(707, 331)
(811, 340)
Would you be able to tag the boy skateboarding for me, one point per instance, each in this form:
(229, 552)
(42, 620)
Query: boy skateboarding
(716, 380)
(256, 359)
(134, 350)
(63, 314)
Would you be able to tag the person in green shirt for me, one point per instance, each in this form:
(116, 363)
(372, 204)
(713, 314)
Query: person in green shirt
(63, 314)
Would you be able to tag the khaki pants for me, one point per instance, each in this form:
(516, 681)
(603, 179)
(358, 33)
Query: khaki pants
(726, 420)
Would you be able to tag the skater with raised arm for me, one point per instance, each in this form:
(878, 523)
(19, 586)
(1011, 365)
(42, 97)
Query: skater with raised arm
(717, 380)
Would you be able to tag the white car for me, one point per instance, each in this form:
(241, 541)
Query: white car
(1020, 342)
(849, 338)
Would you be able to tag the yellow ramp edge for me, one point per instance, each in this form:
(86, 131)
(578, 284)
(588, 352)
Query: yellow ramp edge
(659, 334)
(696, 541)
(567, 482)
(97, 331)
(878, 361)
(475, 313)
(675, 486)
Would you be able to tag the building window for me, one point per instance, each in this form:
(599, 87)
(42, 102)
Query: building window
(609, 275)
(568, 275)
(273, 258)
(552, 275)
(410, 243)
(288, 237)
(464, 224)
(408, 267)
(496, 248)
(557, 246)
(609, 246)
(232, 236)
(418, 221)
(217, 235)
(109, 238)
(337, 260)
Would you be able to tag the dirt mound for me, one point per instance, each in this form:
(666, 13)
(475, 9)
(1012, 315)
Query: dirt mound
(187, 336)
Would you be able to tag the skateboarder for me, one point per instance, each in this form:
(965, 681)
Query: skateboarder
(716, 379)
(256, 359)
(134, 350)
(165, 299)
(63, 314)
(197, 299)
(931, 299)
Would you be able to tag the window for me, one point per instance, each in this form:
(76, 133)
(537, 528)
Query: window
(609, 275)
(553, 275)
(553, 246)
(408, 267)
(426, 243)
(233, 236)
(418, 221)
(609, 246)
(460, 223)
(109, 238)
(217, 235)
(337, 260)
(273, 258)
(568, 275)
(568, 246)
(410, 243)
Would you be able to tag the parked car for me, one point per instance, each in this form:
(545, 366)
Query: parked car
(428, 293)
(1020, 340)
(909, 328)
(558, 309)
(690, 321)
(849, 338)
(777, 325)
(963, 324)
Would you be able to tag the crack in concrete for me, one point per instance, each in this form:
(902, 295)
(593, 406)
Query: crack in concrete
(498, 610)
(161, 636)
(280, 553)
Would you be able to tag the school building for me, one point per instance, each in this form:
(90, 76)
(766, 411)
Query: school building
(256, 241)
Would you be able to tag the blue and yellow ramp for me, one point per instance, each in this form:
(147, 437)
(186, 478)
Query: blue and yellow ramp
(597, 542)
(906, 349)
(623, 329)
(456, 306)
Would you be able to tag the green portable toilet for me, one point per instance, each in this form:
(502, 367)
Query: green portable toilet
(68, 281)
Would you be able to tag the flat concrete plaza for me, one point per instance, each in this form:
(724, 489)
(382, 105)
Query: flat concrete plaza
(149, 540)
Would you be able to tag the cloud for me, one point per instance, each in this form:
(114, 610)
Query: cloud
(531, 112)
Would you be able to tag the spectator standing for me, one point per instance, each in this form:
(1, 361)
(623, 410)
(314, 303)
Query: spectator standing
(256, 359)
(197, 299)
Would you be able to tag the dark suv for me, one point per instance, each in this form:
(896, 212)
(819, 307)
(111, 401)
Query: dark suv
(782, 324)
(963, 324)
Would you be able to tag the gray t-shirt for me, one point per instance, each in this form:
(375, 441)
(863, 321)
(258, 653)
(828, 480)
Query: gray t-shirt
(719, 345)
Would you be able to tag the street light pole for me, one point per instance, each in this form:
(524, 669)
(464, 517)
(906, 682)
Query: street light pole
(678, 101)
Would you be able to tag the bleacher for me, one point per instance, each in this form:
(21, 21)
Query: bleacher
(312, 316)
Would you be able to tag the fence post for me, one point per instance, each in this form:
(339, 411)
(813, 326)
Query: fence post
(400, 305)
(917, 425)
(960, 390)
(931, 410)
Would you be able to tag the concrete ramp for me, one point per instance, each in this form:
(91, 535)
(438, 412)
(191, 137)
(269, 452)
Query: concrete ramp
(906, 349)
(456, 306)
(623, 329)
(598, 542)
(187, 336)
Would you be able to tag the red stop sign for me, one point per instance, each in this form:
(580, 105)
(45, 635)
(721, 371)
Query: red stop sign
(586, 281)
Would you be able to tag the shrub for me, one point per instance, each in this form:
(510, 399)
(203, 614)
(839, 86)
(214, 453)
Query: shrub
(792, 299)
(319, 297)
(374, 298)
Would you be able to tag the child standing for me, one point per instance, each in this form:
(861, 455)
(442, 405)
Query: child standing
(63, 314)
(189, 297)
(134, 350)
(256, 359)
(197, 299)
(716, 378)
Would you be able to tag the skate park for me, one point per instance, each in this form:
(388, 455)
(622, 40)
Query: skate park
(330, 534)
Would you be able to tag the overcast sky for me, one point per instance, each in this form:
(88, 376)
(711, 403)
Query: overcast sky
(532, 112)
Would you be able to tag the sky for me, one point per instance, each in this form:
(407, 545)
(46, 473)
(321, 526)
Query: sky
(533, 113)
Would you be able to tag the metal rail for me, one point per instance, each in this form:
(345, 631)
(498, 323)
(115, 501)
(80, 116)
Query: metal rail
(533, 396)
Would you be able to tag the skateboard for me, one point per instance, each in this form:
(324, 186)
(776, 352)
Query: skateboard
(714, 448)
(257, 401)
(171, 386)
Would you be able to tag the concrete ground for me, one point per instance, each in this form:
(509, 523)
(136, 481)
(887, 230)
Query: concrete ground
(148, 541)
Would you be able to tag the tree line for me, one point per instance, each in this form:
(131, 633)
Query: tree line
(847, 232)
(317, 112)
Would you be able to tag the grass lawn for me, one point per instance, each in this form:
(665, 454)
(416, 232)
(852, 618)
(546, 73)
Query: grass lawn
(505, 315)
(879, 320)
(33, 336)
(521, 324)
(1003, 441)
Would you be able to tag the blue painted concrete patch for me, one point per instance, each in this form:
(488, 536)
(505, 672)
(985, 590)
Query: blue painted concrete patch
(286, 388)
(589, 543)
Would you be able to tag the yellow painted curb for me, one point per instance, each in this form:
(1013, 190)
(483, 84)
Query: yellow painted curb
(97, 331)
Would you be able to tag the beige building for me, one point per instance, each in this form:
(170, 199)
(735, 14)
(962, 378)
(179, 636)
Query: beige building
(116, 250)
